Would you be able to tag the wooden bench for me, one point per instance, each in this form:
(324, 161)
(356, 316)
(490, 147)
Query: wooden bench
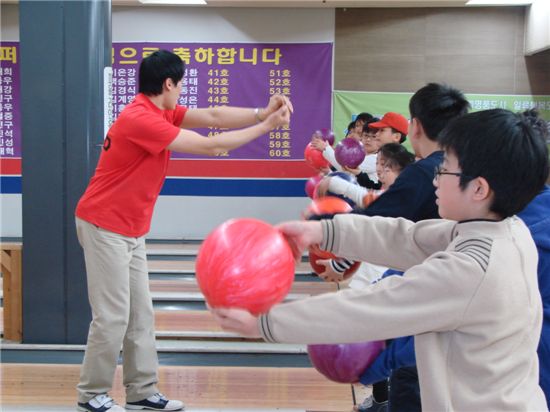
(10, 263)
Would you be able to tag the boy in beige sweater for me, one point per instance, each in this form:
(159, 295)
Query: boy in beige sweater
(469, 293)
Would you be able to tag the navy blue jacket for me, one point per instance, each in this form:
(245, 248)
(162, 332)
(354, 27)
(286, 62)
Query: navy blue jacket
(537, 218)
(412, 195)
(400, 352)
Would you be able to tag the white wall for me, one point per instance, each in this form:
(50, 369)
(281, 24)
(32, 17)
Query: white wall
(10, 22)
(194, 217)
(537, 27)
(199, 24)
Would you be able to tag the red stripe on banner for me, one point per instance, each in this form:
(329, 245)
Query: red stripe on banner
(240, 168)
(10, 166)
(211, 168)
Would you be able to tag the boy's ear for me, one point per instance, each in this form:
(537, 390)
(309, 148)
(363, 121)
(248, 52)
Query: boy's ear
(480, 188)
(417, 129)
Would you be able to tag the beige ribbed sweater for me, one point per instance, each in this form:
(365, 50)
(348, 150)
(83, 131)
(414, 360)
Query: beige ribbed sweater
(469, 295)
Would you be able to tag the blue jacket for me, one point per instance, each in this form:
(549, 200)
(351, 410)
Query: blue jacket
(400, 352)
(537, 218)
(412, 195)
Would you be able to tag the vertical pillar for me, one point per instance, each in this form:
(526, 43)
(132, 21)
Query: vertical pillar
(65, 46)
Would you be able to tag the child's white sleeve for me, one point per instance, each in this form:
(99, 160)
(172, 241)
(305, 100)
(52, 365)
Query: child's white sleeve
(328, 154)
(352, 191)
(369, 167)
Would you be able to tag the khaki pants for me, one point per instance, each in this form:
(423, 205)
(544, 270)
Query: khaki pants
(122, 315)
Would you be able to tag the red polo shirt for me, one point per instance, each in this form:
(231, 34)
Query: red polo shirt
(131, 169)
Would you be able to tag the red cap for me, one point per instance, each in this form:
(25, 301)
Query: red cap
(394, 120)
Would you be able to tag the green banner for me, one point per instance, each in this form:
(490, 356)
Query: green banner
(347, 105)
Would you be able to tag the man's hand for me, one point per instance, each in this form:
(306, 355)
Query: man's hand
(237, 320)
(275, 103)
(279, 118)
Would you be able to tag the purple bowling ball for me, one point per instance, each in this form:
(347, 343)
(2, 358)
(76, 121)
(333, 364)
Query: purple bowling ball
(344, 363)
(349, 152)
(326, 134)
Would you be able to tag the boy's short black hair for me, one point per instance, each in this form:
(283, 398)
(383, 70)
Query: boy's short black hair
(367, 128)
(365, 117)
(434, 105)
(402, 136)
(351, 126)
(507, 149)
(396, 156)
(156, 68)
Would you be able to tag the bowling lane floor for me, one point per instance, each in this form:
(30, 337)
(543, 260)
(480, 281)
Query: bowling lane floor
(32, 408)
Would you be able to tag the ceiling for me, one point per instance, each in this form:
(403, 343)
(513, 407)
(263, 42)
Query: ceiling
(303, 3)
(315, 3)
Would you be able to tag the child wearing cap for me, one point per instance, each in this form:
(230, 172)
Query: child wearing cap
(392, 128)
(368, 165)
(469, 293)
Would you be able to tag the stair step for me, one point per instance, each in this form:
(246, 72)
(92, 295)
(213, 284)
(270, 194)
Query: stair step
(200, 335)
(199, 297)
(174, 352)
(161, 249)
(182, 346)
(188, 266)
(187, 285)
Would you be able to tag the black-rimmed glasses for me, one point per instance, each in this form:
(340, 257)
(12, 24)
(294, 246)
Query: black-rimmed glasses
(439, 171)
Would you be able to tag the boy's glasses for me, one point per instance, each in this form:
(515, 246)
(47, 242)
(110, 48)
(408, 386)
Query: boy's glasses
(439, 171)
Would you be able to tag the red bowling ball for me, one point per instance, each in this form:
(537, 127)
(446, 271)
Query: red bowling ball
(314, 158)
(245, 263)
(344, 363)
(311, 184)
(318, 268)
(326, 205)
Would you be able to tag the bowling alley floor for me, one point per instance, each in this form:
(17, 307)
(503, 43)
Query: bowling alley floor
(72, 409)
(36, 387)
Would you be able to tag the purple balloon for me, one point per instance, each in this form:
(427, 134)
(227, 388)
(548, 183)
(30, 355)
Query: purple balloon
(344, 363)
(326, 134)
(349, 152)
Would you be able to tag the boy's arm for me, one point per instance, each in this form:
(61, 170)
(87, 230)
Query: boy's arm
(365, 181)
(329, 155)
(342, 187)
(430, 297)
(392, 242)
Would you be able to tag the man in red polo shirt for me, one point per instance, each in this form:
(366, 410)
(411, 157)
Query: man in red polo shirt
(115, 212)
